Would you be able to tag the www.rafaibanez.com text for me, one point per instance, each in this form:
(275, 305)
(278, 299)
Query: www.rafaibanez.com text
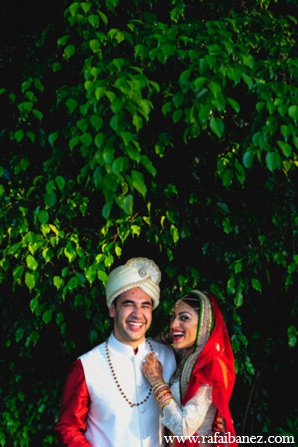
(226, 438)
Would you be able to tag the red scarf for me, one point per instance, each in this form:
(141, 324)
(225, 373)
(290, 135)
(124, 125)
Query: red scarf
(215, 366)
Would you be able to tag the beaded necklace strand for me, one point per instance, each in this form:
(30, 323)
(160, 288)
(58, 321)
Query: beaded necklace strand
(131, 404)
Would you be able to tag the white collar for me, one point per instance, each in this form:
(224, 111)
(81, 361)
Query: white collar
(122, 348)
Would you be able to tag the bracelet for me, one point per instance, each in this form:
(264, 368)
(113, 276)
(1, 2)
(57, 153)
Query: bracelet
(162, 394)
(159, 390)
(158, 384)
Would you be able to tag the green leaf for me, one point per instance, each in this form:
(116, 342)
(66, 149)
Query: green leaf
(174, 233)
(249, 366)
(25, 106)
(47, 316)
(198, 83)
(18, 336)
(293, 112)
(177, 115)
(231, 285)
(248, 159)
(31, 136)
(238, 299)
(133, 153)
(30, 280)
(103, 17)
(52, 138)
(110, 181)
(234, 73)
(58, 282)
(43, 217)
(72, 284)
(90, 273)
(71, 104)
(184, 77)
(286, 148)
(18, 273)
(137, 121)
(205, 113)
(94, 45)
(128, 204)
(287, 131)
(248, 60)
(138, 182)
(238, 267)
(69, 51)
(118, 251)
(48, 254)
(217, 126)
(108, 155)
(38, 114)
(272, 161)
(292, 335)
(223, 207)
(136, 229)
(256, 284)
(234, 104)
(114, 122)
(99, 92)
(93, 20)
(62, 40)
(166, 108)
(119, 165)
(219, 103)
(98, 140)
(19, 135)
(147, 163)
(215, 89)
(102, 276)
(96, 122)
(114, 33)
(50, 200)
(60, 181)
(106, 210)
(227, 225)
(31, 262)
(227, 176)
(34, 304)
(70, 252)
(73, 142)
(248, 80)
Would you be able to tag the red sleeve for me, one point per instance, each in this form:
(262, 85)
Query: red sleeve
(71, 424)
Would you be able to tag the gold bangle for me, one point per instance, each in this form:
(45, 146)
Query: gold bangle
(160, 391)
(158, 384)
(165, 396)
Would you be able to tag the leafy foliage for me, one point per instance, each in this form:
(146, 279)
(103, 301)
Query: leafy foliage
(143, 132)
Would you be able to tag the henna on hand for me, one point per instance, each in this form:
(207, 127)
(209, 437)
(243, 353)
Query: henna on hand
(152, 369)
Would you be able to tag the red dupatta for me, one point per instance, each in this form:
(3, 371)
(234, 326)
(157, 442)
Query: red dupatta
(213, 364)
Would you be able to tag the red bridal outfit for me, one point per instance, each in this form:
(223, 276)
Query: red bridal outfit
(203, 383)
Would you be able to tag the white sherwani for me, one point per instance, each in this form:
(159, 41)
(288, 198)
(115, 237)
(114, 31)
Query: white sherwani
(111, 422)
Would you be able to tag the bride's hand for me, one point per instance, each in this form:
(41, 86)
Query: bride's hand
(152, 369)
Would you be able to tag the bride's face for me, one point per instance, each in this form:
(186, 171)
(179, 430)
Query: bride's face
(183, 326)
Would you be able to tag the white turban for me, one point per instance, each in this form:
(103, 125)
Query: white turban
(137, 272)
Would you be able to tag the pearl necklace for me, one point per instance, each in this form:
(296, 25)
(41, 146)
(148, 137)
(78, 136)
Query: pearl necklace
(131, 404)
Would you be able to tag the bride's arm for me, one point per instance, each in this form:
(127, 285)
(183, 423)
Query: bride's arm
(181, 420)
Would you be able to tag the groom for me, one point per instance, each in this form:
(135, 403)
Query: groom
(107, 402)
